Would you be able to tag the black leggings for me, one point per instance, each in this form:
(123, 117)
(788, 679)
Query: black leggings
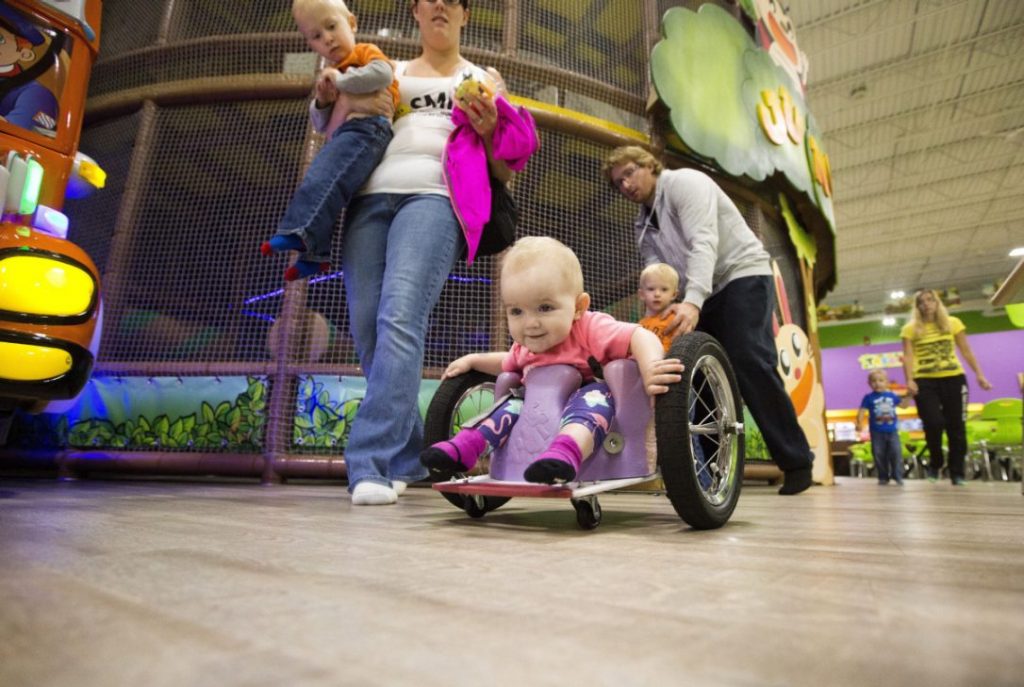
(942, 407)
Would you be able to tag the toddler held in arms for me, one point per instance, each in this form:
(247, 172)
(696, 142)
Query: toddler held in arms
(550, 324)
(355, 143)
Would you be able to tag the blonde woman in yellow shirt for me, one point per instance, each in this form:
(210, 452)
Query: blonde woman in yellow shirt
(936, 379)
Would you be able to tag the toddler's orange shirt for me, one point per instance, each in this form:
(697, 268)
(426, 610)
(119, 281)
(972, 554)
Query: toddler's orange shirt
(362, 55)
(658, 324)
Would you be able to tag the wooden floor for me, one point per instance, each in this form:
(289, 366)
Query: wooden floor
(110, 583)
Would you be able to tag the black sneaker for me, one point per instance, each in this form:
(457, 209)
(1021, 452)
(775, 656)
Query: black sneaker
(796, 481)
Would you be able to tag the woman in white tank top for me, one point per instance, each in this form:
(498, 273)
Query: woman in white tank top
(401, 241)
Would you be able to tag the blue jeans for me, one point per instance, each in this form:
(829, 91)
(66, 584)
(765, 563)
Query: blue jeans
(397, 253)
(888, 456)
(340, 168)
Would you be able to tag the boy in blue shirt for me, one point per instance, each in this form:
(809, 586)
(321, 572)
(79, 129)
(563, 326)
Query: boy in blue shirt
(879, 408)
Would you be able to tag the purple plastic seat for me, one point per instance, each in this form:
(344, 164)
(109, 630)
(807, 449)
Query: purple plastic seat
(549, 389)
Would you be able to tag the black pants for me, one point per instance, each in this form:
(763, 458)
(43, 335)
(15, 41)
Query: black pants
(942, 407)
(739, 316)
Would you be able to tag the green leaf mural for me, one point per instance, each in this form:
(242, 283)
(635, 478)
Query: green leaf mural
(703, 95)
(320, 421)
(790, 158)
(198, 414)
(806, 249)
(756, 448)
(235, 425)
(730, 102)
(821, 172)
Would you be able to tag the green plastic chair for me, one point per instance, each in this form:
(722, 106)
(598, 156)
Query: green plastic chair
(1005, 439)
(978, 459)
(861, 460)
(917, 449)
(912, 450)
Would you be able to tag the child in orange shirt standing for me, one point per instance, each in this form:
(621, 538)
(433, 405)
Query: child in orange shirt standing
(355, 142)
(659, 288)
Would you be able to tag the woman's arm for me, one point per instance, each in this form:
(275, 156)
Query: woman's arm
(656, 371)
(376, 103)
(908, 366)
(483, 117)
(968, 354)
(489, 363)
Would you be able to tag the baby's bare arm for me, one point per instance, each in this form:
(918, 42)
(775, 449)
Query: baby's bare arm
(656, 371)
(489, 363)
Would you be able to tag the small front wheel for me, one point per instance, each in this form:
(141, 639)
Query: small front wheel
(588, 512)
(475, 506)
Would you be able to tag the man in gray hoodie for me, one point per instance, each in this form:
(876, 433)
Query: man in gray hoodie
(687, 221)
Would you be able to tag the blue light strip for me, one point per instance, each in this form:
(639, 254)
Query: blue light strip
(260, 316)
(336, 275)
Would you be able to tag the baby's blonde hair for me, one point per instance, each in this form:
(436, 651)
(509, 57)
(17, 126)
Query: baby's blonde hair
(876, 372)
(301, 5)
(555, 255)
(663, 271)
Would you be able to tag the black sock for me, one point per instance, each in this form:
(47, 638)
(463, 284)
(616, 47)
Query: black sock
(549, 471)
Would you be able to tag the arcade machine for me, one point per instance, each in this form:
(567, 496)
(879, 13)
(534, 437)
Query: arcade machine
(50, 305)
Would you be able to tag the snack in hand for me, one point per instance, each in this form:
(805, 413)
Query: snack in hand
(471, 84)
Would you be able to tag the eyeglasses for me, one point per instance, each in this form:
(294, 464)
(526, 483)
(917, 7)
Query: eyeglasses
(450, 3)
(627, 173)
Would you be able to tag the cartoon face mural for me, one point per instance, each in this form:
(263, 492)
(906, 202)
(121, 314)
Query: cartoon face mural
(776, 35)
(800, 375)
(799, 371)
(29, 70)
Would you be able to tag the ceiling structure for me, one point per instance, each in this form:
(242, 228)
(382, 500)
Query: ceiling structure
(921, 104)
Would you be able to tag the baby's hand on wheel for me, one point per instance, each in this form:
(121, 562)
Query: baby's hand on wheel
(660, 373)
(459, 366)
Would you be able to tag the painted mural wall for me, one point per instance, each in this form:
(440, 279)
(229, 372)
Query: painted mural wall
(1001, 355)
(736, 101)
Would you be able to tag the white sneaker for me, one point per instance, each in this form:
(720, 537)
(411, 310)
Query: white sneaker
(399, 486)
(373, 494)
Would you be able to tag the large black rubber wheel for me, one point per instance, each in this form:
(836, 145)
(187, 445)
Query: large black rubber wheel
(699, 429)
(459, 400)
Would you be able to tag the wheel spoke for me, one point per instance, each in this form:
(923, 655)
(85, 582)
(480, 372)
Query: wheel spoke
(700, 431)
(709, 422)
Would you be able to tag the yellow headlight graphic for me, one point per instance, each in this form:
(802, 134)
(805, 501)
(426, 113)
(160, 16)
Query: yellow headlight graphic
(42, 286)
(29, 363)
